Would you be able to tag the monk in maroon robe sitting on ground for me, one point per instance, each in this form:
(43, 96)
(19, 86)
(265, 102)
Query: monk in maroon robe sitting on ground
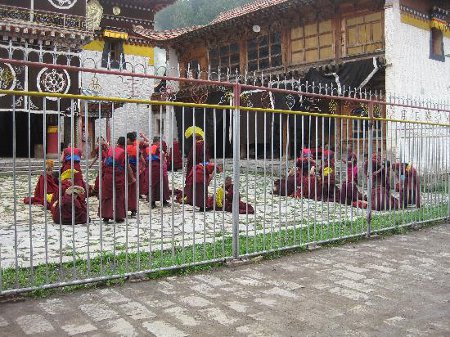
(73, 201)
(408, 184)
(327, 176)
(68, 157)
(201, 154)
(381, 195)
(223, 199)
(39, 191)
(197, 183)
(308, 186)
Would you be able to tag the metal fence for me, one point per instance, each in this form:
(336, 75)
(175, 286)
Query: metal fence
(254, 179)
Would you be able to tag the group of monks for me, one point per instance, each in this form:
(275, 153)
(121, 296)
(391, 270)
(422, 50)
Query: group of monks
(318, 182)
(134, 169)
(128, 171)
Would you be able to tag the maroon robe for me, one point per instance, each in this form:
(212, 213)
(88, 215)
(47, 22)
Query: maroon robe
(408, 186)
(67, 162)
(349, 193)
(201, 155)
(244, 208)
(202, 174)
(383, 200)
(352, 166)
(177, 160)
(104, 154)
(143, 167)
(329, 190)
(285, 186)
(79, 208)
(309, 188)
(133, 157)
(157, 183)
(118, 171)
(39, 197)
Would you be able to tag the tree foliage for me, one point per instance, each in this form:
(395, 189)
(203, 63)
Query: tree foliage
(186, 13)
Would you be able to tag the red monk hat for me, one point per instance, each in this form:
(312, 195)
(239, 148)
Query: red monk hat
(306, 153)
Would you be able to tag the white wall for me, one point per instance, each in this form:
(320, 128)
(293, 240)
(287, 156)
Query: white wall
(412, 74)
(130, 117)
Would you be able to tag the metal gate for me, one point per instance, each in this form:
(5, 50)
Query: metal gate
(260, 169)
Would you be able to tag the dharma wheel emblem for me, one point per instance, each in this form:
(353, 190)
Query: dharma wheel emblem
(53, 81)
(7, 77)
(63, 4)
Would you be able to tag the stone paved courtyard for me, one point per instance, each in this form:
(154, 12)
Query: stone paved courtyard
(395, 286)
(175, 225)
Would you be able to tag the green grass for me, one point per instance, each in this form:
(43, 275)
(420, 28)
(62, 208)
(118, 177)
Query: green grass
(109, 264)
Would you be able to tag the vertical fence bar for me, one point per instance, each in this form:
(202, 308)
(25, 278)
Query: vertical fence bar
(86, 155)
(30, 216)
(369, 169)
(183, 177)
(236, 168)
(100, 181)
(16, 241)
(44, 151)
(149, 195)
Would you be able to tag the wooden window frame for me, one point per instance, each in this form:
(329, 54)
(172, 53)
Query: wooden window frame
(115, 56)
(437, 37)
(225, 52)
(364, 45)
(361, 127)
(273, 43)
(317, 47)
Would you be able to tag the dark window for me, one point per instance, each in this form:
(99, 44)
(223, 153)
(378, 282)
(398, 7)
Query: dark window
(264, 52)
(225, 58)
(194, 69)
(437, 45)
(360, 128)
(113, 49)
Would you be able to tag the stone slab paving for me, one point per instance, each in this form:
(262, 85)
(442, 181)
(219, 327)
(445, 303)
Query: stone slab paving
(395, 286)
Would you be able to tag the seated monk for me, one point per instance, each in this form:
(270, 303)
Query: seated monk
(39, 192)
(307, 185)
(381, 195)
(305, 166)
(68, 157)
(62, 213)
(408, 184)
(383, 200)
(199, 152)
(197, 183)
(223, 199)
(286, 186)
(327, 177)
(349, 193)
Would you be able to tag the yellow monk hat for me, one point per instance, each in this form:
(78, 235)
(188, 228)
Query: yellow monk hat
(327, 171)
(67, 174)
(194, 130)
